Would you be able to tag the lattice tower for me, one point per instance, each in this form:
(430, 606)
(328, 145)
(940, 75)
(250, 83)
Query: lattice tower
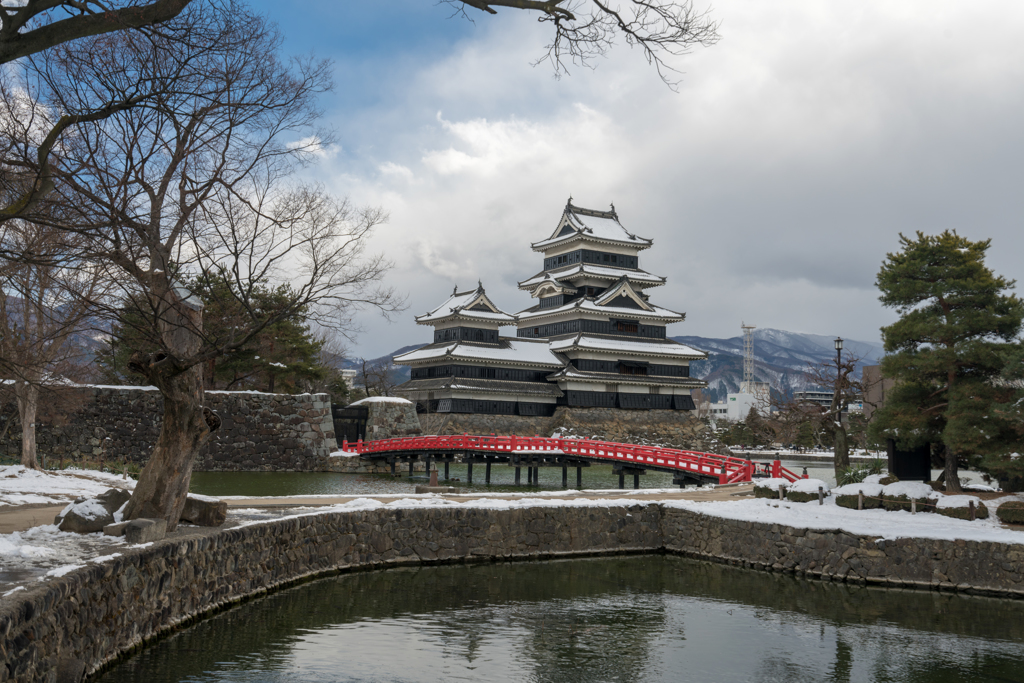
(748, 357)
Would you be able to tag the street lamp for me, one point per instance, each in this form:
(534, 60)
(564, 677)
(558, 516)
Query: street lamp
(839, 375)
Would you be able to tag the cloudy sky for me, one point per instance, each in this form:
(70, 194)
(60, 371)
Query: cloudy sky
(773, 183)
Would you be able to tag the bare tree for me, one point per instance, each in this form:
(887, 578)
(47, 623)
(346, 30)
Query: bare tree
(585, 29)
(198, 182)
(788, 414)
(36, 25)
(41, 308)
(378, 377)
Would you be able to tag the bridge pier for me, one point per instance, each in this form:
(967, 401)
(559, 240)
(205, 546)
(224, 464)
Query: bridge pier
(565, 476)
(487, 474)
(636, 481)
(517, 475)
(579, 478)
(622, 480)
(469, 472)
(393, 463)
(410, 468)
(428, 466)
(529, 475)
(446, 470)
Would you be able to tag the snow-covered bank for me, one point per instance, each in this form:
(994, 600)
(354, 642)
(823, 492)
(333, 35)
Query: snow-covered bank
(21, 486)
(877, 523)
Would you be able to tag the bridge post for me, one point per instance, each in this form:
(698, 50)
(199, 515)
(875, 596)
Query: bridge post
(579, 478)
(622, 479)
(565, 476)
(487, 474)
(529, 475)
(428, 466)
(636, 481)
(446, 470)
(517, 475)
(469, 472)
(393, 462)
(410, 467)
(776, 469)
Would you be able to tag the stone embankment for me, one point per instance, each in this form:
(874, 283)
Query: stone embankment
(79, 622)
(259, 432)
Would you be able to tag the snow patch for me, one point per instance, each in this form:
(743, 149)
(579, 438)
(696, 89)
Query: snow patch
(381, 399)
(808, 486)
(910, 489)
(61, 571)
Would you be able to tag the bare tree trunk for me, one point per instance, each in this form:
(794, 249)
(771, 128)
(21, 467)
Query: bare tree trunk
(842, 450)
(187, 425)
(27, 394)
(952, 476)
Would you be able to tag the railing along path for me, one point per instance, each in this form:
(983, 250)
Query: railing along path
(727, 469)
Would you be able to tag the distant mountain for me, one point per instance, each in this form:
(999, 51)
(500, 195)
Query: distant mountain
(780, 358)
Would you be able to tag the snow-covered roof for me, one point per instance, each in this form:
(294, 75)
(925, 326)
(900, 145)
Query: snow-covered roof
(473, 304)
(584, 270)
(515, 351)
(588, 305)
(666, 348)
(598, 225)
(379, 399)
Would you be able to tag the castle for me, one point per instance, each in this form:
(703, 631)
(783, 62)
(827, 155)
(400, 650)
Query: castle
(592, 339)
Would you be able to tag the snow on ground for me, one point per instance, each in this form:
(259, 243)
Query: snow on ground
(21, 486)
(44, 551)
(877, 522)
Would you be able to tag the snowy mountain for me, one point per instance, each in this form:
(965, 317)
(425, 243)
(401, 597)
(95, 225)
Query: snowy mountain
(780, 358)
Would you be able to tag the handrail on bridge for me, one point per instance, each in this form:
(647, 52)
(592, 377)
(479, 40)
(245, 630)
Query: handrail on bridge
(729, 470)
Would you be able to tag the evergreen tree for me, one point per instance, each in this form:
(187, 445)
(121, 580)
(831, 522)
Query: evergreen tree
(947, 350)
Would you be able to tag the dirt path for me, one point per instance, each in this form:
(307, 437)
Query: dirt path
(22, 517)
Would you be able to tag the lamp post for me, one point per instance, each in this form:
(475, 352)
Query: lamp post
(839, 377)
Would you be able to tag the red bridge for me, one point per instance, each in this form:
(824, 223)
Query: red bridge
(688, 467)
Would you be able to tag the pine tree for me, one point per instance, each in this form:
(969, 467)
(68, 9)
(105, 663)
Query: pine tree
(947, 349)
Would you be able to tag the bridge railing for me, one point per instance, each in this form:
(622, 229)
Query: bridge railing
(727, 469)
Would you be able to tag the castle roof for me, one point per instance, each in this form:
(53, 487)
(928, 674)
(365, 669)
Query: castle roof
(583, 270)
(508, 351)
(472, 304)
(666, 348)
(578, 223)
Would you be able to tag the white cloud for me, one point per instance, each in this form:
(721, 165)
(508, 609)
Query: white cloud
(773, 184)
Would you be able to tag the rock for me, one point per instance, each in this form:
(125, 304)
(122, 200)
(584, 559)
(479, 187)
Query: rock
(113, 499)
(145, 530)
(86, 517)
(70, 670)
(116, 529)
(204, 511)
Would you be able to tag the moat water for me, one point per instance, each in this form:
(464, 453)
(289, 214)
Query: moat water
(645, 619)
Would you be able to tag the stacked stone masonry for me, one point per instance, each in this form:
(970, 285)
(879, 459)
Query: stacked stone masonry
(92, 615)
(120, 424)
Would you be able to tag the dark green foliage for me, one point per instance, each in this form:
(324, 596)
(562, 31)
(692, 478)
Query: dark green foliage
(903, 503)
(257, 364)
(980, 512)
(891, 479)
(956, 326)
(870, 502)
(1011, 512)
(764, 492)
(800, 497)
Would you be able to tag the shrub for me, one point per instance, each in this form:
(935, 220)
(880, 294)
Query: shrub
(765, 492)
(801, 497)
(1011, 512)
(980, 512)
(847, 501)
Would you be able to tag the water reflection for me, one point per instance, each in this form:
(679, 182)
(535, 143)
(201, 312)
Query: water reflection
(628, 619)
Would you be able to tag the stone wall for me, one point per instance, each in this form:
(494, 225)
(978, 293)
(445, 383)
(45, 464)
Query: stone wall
(259, 431)
(390, 417)
(673, 428)
(94, 614)
(971, 566)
